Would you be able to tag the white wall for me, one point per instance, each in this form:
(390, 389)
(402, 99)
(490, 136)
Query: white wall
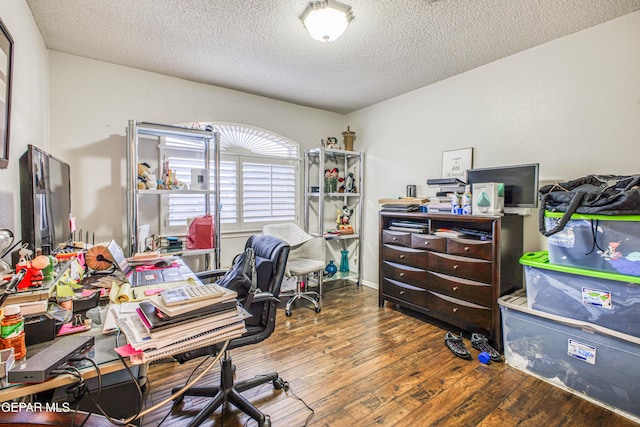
(29, 106)
(92, 101)
(573, 105)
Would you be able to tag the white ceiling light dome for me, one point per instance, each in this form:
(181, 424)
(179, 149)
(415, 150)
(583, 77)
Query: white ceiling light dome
(326, 20)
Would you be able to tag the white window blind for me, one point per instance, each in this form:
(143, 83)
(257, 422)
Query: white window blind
(259, 172)
(268, 192)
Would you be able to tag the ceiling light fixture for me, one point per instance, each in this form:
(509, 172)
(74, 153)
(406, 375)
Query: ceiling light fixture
(326, 20)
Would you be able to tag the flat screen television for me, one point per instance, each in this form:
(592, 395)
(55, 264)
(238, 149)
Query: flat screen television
(520, 183)
(45, 199)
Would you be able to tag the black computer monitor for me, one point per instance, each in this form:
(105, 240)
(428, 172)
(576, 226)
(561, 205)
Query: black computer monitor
(520, 183)
(45, 199)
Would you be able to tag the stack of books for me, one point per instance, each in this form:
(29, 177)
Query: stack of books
(409, 226)
(403, 204)
(157, 331)
(439, 205)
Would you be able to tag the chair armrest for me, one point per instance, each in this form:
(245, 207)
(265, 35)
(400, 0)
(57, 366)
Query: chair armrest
(264, 296)
(209, 274)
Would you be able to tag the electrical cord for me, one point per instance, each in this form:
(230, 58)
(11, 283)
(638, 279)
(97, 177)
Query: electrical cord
(79, 389)
(97, 398)
(175, 403)
(279, 383)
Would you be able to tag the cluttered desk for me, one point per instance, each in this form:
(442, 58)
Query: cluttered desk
(91, 317)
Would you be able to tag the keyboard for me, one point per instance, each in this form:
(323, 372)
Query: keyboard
(187, 294)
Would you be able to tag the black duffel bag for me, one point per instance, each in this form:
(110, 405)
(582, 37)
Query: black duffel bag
(593, 194)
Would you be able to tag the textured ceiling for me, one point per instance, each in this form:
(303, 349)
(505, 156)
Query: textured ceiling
(260, 46)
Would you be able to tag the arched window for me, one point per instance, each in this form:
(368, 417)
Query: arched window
(259, 176)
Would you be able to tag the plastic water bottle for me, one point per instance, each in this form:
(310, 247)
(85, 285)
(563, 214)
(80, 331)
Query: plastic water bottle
(455, 203)
(467, 202)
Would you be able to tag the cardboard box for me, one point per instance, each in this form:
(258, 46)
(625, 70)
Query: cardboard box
(488, 198)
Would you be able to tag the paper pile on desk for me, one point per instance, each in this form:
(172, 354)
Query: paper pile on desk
(148, 342)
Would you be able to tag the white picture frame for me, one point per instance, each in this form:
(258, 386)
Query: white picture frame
(455, 163)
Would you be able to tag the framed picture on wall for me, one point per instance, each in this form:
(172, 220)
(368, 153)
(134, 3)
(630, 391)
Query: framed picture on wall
(456, 162)
(6, 63)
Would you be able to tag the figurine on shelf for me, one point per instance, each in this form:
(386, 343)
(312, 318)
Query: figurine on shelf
(327, 181)
(334, 180)
(344, 217)
(350, 185)
(332, 143)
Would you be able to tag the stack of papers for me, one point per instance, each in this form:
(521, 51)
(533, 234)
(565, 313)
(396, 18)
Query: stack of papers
(154, 334)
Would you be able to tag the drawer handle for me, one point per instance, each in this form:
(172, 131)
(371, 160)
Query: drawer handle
(394, 239)
(402, 292)
(401, 274)
(466, 248)
(455, 267)
(455, 309)
(455, 288)
(401, 256)
(426, 243)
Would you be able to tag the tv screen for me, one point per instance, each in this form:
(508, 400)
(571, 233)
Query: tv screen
(520, 183)
(45, 199)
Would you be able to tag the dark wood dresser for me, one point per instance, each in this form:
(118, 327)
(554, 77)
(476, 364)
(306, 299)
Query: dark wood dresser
(457, 279)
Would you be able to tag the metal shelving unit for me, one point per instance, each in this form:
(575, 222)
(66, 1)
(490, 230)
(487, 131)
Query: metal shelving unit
(318, 204)
(139, 133)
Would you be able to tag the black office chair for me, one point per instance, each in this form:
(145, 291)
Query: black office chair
(271, 256)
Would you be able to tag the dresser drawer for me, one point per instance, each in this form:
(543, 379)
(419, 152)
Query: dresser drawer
(470, 313)
(429, 242)
(482, 249)
(407, 256)
(405, 292)
(468, 290)
(400, 238)
(459, 266)
(402, 273)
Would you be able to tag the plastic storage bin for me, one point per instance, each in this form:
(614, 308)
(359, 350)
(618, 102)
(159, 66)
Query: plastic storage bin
(587, 360)
(607, 299)
(596, 242)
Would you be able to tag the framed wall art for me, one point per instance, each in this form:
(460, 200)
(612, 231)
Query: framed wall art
(6, 65)
(456, 162)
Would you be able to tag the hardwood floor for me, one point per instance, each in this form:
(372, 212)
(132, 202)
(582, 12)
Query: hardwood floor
(357, 364)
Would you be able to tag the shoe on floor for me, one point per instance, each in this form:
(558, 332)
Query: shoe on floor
(455, 344)
(480, 342)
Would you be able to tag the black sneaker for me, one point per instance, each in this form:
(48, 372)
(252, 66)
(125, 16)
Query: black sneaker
(454, 343)
(480, 342)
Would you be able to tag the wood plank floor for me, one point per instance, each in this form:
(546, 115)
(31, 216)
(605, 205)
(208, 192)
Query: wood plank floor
(357, 364)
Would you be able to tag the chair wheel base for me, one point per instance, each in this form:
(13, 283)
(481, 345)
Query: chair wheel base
(318, 309)
(288, 313)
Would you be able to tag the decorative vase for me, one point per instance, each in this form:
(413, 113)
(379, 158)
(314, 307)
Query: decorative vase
(344, 261)
(331, 268)
(348, 137)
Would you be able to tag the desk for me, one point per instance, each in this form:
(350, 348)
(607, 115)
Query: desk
(102, 353)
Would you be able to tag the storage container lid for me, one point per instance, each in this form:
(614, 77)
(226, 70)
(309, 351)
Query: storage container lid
(541, 260)
(550, 214)
(11, 310)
